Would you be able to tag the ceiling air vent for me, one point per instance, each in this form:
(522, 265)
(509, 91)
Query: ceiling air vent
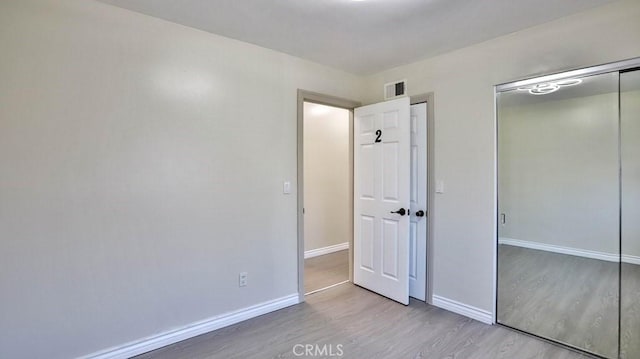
(395, 89)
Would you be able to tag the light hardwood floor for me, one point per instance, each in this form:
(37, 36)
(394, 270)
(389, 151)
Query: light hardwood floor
(367, 326)
(571, 299)
(325, 270)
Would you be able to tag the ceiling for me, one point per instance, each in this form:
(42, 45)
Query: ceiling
(361, 37)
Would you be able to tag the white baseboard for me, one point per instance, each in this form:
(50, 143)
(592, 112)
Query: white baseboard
(463, 309)
(626, 258)
(610, 257)
(326, 250)
(173, 336)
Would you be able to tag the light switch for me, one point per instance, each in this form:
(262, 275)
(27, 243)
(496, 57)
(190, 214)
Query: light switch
(286, 187)
(439, 186)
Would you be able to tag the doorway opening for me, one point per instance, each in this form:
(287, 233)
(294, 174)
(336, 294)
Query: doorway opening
(327, 192)
(336, 102)
(321, 264)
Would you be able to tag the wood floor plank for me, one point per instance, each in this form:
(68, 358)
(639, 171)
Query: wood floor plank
(325, 270)
(367, 326)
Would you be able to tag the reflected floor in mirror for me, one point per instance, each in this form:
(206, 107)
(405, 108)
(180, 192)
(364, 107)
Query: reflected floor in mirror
(570, 299)
(630, 315)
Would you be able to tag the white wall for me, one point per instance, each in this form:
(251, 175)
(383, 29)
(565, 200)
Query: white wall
(558, 171)
(327, 216)
(142, 167)
(462, 82)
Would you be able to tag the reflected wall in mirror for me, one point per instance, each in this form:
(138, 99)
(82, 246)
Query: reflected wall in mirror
(559, 212)
(630, 279)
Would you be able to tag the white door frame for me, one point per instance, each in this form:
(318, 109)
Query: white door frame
(429, 99)
(419, 202)
(309, 96)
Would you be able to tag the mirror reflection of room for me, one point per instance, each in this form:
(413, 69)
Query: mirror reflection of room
(559, 211)
(630, 205)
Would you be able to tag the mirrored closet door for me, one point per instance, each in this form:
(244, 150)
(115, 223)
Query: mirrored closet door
(569, 211)
(630, 205)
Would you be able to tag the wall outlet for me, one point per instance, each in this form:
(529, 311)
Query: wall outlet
(242, 279)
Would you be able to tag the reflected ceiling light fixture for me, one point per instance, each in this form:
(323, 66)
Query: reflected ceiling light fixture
(549, 87)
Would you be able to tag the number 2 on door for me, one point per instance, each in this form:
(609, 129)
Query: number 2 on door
(379, 133)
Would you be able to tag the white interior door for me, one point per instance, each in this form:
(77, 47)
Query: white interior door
(418, 226)
(381, 203)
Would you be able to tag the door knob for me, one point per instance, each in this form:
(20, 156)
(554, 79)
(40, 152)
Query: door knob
(401, 212)
(420, 213)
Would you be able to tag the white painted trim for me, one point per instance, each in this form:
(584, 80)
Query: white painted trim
(327, 287)
(610, 257)
(173, 336)
(326, 250)
(451, 305)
